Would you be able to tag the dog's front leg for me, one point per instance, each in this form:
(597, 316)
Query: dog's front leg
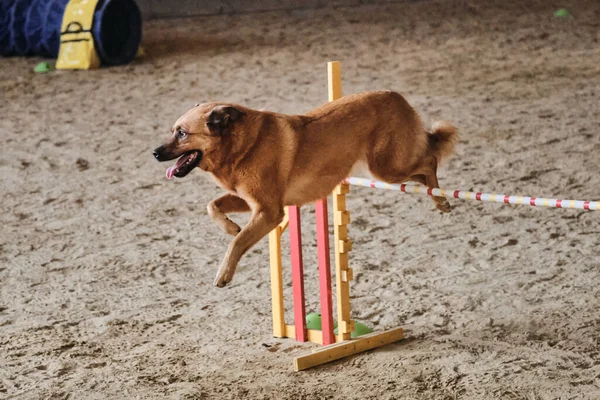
(261, 223)
(218, 208)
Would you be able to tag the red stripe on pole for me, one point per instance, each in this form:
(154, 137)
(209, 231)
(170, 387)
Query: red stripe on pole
(478, 196)
(586, 205)
(403, 187)
(456, 194)
(373, 184)
(558, 203)
(532, 201)
(324, 272)
(297, 273)
(430, 191)
(506, 199)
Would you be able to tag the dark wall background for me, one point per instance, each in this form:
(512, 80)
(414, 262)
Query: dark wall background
(187, 8)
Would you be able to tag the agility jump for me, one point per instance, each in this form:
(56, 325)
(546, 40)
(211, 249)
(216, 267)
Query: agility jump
(335, 347)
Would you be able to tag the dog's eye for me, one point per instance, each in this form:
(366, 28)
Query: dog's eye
(181, 134)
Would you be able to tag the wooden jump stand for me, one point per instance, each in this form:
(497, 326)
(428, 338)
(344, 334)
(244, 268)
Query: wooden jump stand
(343, 345)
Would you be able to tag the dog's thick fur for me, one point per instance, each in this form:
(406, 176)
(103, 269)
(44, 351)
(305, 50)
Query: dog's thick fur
(266, 161)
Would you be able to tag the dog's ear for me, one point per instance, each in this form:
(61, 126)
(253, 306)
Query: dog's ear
(221, 118)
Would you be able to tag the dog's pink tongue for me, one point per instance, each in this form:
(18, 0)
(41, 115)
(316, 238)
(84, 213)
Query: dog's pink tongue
(170, 172)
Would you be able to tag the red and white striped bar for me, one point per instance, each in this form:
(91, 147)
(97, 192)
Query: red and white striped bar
(461, 194)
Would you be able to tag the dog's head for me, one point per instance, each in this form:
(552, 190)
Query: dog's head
(196, 135)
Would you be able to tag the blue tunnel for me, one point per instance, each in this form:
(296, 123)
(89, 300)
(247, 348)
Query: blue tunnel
(32, 28)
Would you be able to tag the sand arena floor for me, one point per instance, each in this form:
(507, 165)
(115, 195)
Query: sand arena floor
(106, 267)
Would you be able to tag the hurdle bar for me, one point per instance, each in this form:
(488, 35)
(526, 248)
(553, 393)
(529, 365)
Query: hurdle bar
(485, 197)
(334, 347)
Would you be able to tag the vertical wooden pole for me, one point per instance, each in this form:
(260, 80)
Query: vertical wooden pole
(343, 274)
(341, 218)
(324, 271)
(297, 273)
(276, 282)
(334, 77)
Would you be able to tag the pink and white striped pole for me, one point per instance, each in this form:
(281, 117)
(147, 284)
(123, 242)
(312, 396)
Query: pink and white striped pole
(486, 197)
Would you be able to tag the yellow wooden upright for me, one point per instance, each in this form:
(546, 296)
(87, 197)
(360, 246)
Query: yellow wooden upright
(341, 218)
(279, 329)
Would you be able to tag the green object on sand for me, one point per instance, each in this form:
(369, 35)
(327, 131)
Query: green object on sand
(313, 321)
(43, 67)
(562, 13)
(359, 330)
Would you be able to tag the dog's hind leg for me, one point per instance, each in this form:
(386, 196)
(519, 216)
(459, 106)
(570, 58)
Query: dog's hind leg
(425, 174)
(218, 208)
(429, 170)
(261, 223)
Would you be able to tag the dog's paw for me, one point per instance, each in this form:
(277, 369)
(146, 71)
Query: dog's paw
(220, 282)
(223, 278)
(443, 206)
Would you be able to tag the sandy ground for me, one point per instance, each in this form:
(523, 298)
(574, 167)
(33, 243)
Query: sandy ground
(106, 267)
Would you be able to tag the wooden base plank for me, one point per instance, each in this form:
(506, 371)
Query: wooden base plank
(347, 348)
(312, 335)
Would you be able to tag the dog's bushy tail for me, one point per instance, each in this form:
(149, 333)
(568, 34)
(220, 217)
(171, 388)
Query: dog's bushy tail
(442, 139)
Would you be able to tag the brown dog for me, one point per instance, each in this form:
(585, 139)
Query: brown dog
(266, 161)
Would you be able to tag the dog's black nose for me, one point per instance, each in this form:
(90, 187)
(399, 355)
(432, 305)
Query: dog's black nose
(156, 153)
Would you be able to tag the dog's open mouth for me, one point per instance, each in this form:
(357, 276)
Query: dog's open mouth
(185, 164)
